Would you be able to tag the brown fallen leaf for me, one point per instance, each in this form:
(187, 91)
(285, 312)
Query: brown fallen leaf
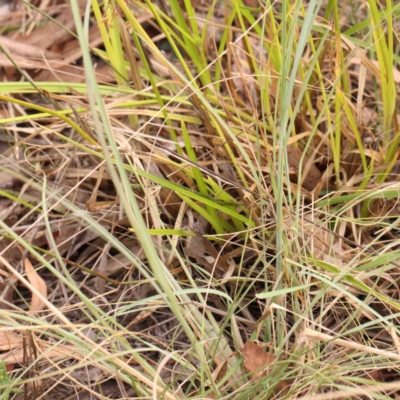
(49, 33)
(312, 174)
(17, 356)
(259, 364)
(256, 360)
(24, 49)
(9, 341)
(220, 371)
(38, 283)
(205, 254)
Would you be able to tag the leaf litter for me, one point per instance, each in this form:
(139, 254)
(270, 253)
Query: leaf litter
(33, 146)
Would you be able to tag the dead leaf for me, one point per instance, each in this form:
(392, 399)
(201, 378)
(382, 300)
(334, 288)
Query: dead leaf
(206, 255)
(17, 356)
(9, 341)
(256, 360)
(312, 174)
(48, 33)
(221, 371)
(38, 283)
(195, 247)
(22, 49)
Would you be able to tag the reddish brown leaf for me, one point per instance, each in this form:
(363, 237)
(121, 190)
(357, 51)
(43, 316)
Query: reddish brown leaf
(256, 360)
(311, 172)
(38, 283)
(9, 341)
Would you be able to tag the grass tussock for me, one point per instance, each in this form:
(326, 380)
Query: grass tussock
(199, 200)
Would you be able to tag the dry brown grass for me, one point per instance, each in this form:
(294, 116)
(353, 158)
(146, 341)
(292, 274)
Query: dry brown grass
(291, 241)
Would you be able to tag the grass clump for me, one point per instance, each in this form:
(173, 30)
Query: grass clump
(199, 200)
